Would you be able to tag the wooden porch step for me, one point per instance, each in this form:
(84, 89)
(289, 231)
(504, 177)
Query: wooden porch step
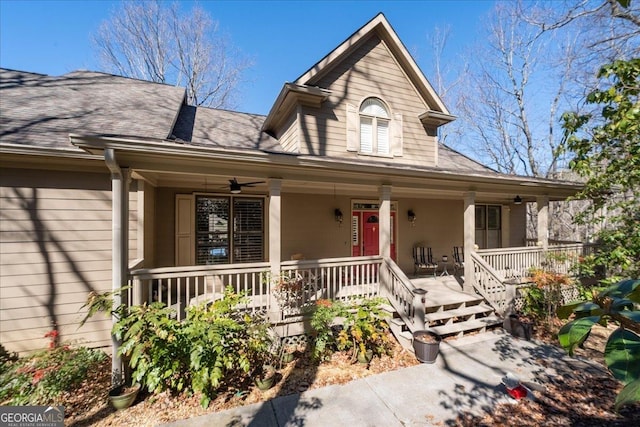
(458, 312)
(467, 326)
(434, 301)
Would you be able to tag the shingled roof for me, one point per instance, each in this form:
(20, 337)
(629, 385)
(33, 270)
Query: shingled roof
(222, 129)
(41, 110)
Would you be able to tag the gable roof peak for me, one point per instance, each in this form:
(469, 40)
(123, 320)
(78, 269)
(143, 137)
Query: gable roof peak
(380, 26)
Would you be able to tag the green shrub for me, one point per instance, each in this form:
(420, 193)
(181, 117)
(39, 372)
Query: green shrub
(215, 346)
(619, 304)
(359, 326)
(40, 378)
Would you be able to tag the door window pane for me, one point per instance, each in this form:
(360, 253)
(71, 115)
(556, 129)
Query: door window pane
(248, 240)
(212, 230)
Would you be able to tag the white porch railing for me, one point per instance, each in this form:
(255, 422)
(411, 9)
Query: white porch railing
(179, 287)
(331, 278)
(517, 262)
(401, 295)
(488, 282)
(496, 269)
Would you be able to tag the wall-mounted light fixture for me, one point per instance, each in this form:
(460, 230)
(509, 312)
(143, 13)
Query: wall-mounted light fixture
(338, 215)
(411, 216)
(517, 200)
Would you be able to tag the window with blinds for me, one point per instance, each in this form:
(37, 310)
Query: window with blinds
(374, 128)
(248, 232)
(219, 241)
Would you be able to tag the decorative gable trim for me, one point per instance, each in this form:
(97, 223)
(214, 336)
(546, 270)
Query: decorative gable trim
(291, 96)
(435, 118)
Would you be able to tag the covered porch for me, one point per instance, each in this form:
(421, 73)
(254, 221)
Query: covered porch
(343, 228)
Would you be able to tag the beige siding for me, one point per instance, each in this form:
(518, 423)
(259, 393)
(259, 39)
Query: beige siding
(369, 71)
(55, 247)
(309, 227)
(289, 138)
(439, 224)
(518, 225)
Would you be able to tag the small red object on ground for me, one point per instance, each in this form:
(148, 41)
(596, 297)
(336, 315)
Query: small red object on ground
(518, 392)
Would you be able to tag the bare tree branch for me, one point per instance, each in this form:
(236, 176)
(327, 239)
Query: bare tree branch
(154, 41)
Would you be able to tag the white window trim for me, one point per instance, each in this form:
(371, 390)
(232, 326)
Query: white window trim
(375, 120)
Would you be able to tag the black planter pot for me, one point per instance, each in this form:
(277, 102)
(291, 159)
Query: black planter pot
(426, 350)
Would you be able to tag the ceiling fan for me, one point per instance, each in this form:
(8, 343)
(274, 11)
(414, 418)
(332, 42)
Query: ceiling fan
(235, 187)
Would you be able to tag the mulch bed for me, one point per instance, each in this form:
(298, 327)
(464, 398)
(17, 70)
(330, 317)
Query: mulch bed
(574, 397)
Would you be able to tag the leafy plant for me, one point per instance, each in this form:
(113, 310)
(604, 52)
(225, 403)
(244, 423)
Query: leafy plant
(618, 303)
(365, 329)
(216, 345)
(359, 326)
(543, 298)
(325, 328)
(40, 378)
(606, 154)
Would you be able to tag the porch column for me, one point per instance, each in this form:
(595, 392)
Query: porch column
(119, 246)
(469, 239)
(543, 221)
(275, 240)
(385, 221)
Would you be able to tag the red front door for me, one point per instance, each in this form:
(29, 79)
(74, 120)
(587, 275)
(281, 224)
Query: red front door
(367, 237)
(370, 233)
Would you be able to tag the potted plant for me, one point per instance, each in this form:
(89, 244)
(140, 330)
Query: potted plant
(265, 376)
(426, 345)
(121, 396)
(287, 353)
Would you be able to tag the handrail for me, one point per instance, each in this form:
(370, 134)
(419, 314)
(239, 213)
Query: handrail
(488, 282)
(401, 295)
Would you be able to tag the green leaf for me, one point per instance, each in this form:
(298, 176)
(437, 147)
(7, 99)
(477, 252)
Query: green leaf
(622, 355)
(566, 310)
(635, 295)
(621, 289)
(629, 394)
(574, 333)
(633, 315)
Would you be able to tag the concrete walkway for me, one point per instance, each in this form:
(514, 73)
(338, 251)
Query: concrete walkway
(466, 377)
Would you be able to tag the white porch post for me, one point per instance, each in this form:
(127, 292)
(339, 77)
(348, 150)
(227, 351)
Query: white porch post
(275, 240)
(384, 233)
(469, 239)
(543, 221)
(385, 221)
(119, 246)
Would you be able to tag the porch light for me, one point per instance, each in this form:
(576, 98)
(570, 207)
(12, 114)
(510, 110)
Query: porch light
(338, 215)
(517, 200)
(411, 216)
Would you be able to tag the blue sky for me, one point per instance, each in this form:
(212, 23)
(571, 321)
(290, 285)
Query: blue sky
(283, 38)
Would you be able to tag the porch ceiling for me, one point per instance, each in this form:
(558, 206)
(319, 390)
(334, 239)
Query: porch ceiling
(167, 164)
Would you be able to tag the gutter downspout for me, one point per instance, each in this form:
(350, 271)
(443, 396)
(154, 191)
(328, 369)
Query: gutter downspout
(119, 248)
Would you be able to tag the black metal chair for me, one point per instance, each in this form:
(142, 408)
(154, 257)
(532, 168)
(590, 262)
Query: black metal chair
(458, 259)
(423, 260)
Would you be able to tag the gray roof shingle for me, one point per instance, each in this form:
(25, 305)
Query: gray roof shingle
(40, 110)
(223, 129)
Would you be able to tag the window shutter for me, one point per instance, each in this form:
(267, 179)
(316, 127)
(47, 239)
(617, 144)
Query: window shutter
(383, 136)
(352, 127)
(366, 135)
(185, 230)
(396, 134)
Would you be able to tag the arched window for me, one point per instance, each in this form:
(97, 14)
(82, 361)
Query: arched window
(374, 127)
